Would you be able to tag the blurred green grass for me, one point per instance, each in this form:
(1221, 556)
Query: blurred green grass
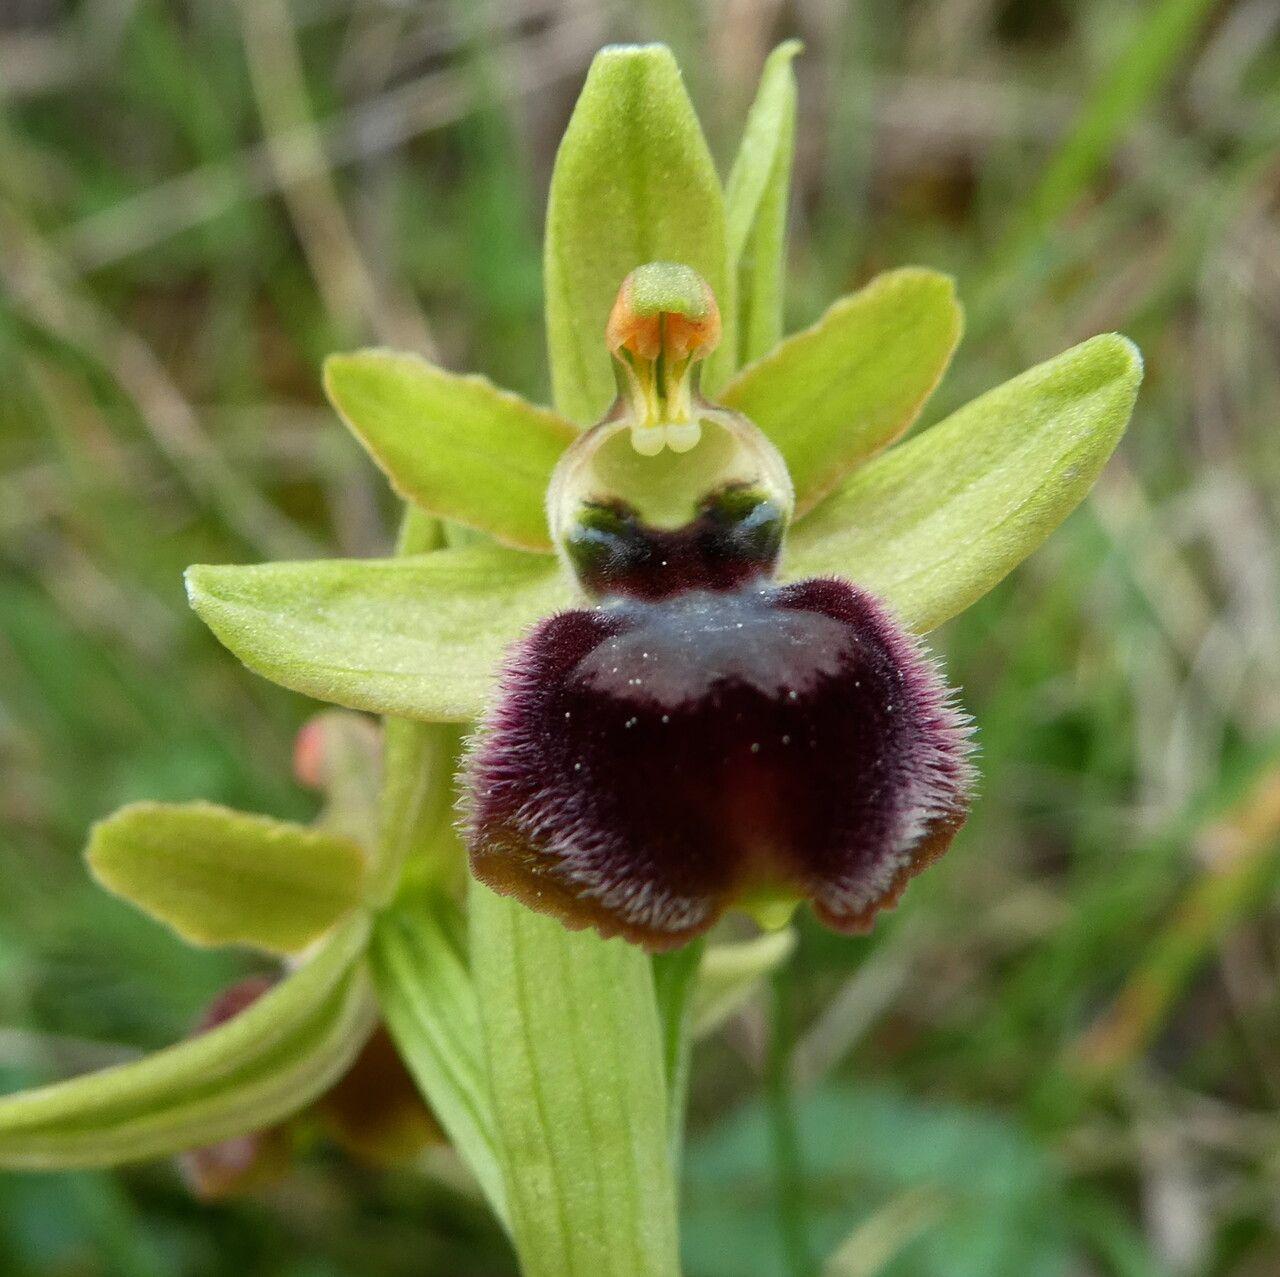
(198, 200)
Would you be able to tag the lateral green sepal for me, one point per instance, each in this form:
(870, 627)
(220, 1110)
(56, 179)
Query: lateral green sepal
(417, 637)
(931, 526)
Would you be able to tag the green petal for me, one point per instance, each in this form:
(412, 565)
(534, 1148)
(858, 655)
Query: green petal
(455, 446)
(835, 394)
(417, 637)
(575, 1069)
(934, 524)
(430, 1007)
(633, 183)
(247, 1074)
(756, 204)
(223, 877)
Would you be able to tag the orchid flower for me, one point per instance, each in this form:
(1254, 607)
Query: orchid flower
(678, 619)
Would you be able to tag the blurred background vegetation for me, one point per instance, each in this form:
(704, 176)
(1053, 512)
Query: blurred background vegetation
(1062, 1056)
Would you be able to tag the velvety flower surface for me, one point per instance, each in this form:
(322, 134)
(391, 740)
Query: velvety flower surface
(650, 763)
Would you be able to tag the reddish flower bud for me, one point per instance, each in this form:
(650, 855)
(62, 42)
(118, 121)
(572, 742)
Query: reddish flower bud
(239, 1165)
(376, 1111)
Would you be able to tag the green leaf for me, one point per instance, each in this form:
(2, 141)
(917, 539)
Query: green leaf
(731, 973)
(834, 395)
(575, 1069)
(418, 637)
(223, 877)
(756, 205)
(247, 1074)
(429, 1003)
(633, 183)
(456, 446)
(934, 524)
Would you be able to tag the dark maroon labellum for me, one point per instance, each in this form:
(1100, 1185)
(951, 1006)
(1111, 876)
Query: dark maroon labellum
(650, 763)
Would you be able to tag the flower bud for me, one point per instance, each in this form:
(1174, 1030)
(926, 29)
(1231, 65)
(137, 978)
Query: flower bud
(376, 1112)
(236, 1166)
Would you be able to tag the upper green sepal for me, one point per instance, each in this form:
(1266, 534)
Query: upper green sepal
(633, 183)
(218, 876)
(932, 525)
(756, 197)
(457, 447)
(834, 395)
(417, 637)
(272, 1059)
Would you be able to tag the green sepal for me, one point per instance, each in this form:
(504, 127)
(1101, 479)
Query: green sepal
(221, 877)
(429, 1002)
(931, 526)
(455, 446)
(834, 395)
(633, 183)
(417, 637)
(245, 1075)
(576, 1074)
(756, 198)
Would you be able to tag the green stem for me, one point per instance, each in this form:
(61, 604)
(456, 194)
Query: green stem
(674, 977)
(788, 1169)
